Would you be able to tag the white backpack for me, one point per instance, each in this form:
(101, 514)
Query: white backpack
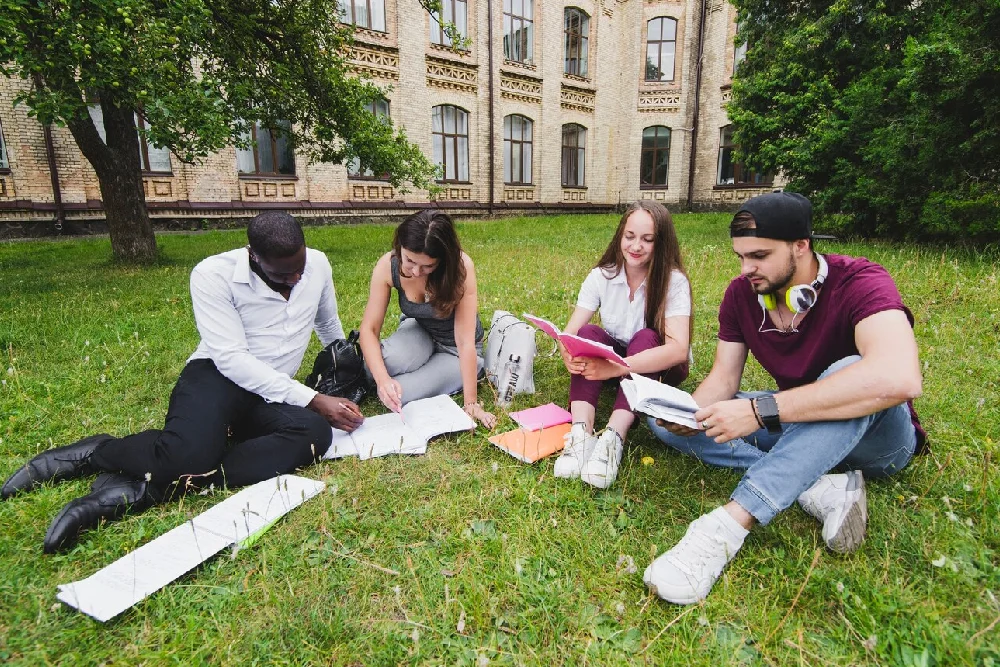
(510, 356)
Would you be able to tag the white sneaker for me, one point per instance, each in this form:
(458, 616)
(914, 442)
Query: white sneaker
(601, 468)
(686, 573)
(839, 503)
(576, 451)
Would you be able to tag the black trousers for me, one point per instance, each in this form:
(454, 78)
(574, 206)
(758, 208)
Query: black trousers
(220, 433)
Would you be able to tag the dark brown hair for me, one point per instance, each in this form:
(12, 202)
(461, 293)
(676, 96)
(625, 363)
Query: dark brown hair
(432, 233)
(666, 257)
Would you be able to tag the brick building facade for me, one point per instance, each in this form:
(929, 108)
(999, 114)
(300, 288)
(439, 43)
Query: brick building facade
(590, 103)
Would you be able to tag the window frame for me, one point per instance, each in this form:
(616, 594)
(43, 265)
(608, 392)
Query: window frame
(574, 156)
(526, 25)
(347, 14)
(4, 158)
(654, 150)
(438, 36)
(255, 149)
(527, 126)
(144, 146)
(659, 51)
(738, 170)
(577, 52)
(456, 137)
(354, 167)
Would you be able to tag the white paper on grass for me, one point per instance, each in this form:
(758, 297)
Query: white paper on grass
(135, 576)
(391, 433)
(660, 400)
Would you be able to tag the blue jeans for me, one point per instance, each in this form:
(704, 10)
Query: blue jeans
(780, 466)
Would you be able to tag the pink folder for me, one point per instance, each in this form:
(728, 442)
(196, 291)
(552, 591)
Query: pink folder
(544, 416)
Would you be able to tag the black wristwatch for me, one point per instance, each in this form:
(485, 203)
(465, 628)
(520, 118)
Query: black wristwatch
(767, 408)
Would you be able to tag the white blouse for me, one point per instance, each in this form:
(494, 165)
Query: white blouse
(623, 318)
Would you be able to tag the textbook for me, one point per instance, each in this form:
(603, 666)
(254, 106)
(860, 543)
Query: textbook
(576, 346)
(530, 446)
(660, 400)
(401, 433)
(543, 416)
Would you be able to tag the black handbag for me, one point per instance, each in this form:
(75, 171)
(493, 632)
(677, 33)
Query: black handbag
(339, 370)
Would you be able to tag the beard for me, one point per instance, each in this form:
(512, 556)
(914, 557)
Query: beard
(784, 279)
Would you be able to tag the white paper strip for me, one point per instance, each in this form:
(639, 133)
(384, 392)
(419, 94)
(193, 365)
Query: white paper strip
(239, 519)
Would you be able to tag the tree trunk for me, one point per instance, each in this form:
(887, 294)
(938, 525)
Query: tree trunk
(116, 161)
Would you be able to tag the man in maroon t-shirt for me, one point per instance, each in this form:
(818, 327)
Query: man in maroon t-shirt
(834, 334)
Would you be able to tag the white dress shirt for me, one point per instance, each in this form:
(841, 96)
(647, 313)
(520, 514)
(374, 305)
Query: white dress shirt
(623, 318)
(255, 337)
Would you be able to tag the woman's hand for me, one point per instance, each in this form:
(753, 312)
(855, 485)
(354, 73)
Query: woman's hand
(573, 364)
(476, 411)
(595, 368)
(391, 394)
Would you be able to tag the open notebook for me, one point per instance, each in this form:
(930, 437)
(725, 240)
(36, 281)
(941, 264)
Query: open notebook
(576, 346)
(405, 433)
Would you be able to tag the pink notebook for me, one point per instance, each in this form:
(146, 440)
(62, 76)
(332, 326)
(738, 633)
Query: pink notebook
(576, 346)
(544, 416)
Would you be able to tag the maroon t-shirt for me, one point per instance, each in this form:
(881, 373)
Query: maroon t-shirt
(855, 288)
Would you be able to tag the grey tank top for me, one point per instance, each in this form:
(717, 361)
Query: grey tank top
(441, 329)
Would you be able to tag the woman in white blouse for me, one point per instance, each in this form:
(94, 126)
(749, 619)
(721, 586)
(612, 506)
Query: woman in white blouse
(644, 300)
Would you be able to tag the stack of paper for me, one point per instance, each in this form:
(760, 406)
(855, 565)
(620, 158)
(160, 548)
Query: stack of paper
(401, 433)
(660, 400)
(239, 519)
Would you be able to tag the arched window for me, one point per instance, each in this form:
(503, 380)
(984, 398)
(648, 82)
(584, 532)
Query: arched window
(574, 152)
(517, 150)
(364, 13)
(518, 30)
(381, 109)
(655, 159)
(452, 11)
(577, 32)
(450, 127)
(661, 45)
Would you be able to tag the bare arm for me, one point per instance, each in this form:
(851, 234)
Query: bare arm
(379, 291)
(466, 316)
(887, 374)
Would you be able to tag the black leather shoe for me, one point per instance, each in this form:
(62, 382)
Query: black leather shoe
(112, 496)
(60, 463)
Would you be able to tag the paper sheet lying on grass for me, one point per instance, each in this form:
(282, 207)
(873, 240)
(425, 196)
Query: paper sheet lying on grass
(408, 433)
(239, 519)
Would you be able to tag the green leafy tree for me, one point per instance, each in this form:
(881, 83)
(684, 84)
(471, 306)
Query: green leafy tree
(882, 112)
(200, 73)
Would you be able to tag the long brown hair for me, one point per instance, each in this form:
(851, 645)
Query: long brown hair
(666, 257)
(432, 233)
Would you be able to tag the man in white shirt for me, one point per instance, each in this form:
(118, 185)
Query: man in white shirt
(236, 415)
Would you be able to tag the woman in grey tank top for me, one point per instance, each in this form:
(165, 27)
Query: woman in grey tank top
(438, 347)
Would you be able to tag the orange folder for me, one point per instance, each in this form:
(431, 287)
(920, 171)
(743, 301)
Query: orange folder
(529, 446)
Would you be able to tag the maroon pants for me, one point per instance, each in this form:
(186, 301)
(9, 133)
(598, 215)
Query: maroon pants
(582, 389)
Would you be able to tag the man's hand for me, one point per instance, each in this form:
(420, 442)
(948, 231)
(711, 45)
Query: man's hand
(339, 412)
(728, 420)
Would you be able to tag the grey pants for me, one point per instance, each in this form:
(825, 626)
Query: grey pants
(422, 367)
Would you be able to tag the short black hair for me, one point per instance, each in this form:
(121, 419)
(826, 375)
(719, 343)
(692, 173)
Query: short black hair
(275, 234)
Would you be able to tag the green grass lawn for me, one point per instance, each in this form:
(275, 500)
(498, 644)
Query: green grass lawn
(481, 559)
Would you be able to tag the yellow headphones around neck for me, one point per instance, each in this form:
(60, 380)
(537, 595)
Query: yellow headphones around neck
(799, 298)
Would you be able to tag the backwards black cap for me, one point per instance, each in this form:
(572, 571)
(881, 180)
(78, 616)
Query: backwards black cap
(786, 216)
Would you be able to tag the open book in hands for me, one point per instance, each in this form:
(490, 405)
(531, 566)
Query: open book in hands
(576, 346)
(660, 400)
(401, 433)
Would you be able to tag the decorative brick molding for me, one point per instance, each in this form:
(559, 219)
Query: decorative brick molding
(655, 195)
(574, 195)
(737, 195)
(375, 192)
(375, 61)
(451, 75)
(448, 193)
(522, 68)
(521, 87)
(268, 189)
(659, 100)
(577, 99)
(157, 187)
(518, 193)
